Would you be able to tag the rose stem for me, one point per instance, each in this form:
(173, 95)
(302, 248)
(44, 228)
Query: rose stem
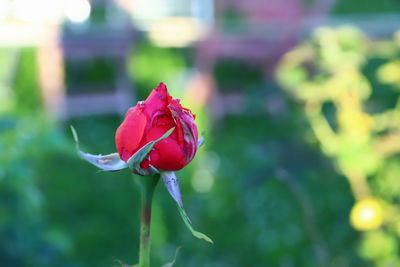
(147, 187)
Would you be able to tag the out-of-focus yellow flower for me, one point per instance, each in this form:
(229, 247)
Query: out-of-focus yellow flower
(366, 214)
(389, 72)
(351, 118)
(355, 123)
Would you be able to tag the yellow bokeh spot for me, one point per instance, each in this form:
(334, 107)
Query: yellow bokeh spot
(366, 214)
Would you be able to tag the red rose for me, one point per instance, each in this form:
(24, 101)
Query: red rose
(151, 119)
(157, 136)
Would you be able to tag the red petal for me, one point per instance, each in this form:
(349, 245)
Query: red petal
(130, 133)
(148, 121)
(157, 100)
(167, 155)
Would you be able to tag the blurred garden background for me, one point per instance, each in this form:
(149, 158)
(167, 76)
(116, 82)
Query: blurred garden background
(298, 101)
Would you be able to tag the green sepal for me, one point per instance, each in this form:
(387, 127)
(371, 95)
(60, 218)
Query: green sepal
(134, 162)
(171, 183)
(110, 162)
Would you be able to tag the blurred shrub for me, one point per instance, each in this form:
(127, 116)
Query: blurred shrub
(27, 138)
(349, 90)
(26, 239)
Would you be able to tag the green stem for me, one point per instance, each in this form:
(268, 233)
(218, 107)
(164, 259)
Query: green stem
(147, 187)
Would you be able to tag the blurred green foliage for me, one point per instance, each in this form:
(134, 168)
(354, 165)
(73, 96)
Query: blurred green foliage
(90, 74)
(349, 87)
(232, 190)
(260, 187)
(150, 65)
(27, 238)
(235, 75)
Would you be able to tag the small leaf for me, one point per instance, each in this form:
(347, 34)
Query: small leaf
(188, 223)
(110, 162)
(171, 183)
(140, 155)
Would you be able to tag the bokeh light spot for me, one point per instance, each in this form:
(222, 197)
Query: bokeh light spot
(78, 10)
(366, 214)
(202, 181)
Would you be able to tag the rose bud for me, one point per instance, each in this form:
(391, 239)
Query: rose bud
(157, 136)
(151, 119)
